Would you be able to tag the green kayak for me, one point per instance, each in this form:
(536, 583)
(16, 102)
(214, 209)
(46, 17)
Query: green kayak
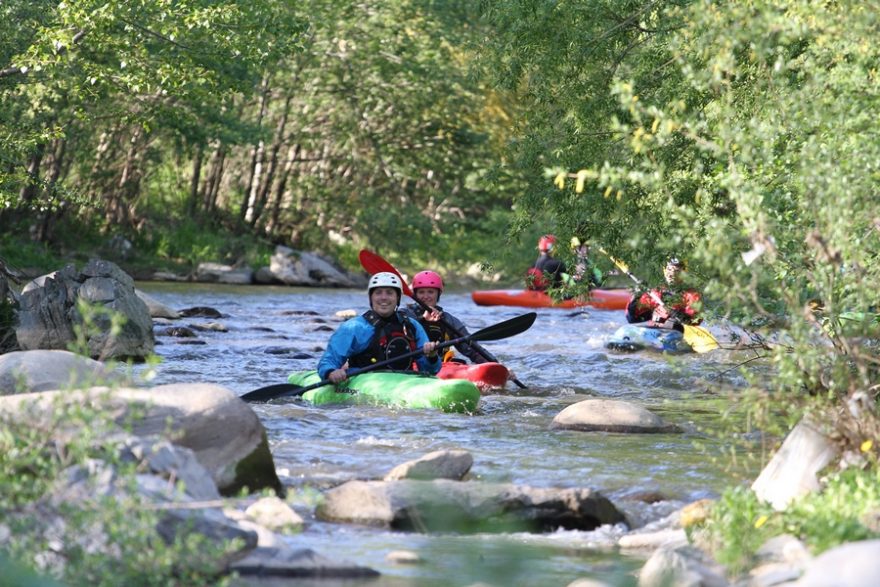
(393, 388)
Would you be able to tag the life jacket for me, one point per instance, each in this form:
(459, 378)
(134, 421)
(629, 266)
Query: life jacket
(393, 337)
(535, 279)
(436, 331)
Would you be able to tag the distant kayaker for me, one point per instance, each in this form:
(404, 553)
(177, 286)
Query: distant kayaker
(548, 270)
(584, 267)
(378, 334)
(680, 305)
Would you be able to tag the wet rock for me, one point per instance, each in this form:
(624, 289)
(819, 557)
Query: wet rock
(466, 507)
(156, 308)
(606, 415)
(178, 332)
(200, 312)
(274, 514)
(209, 327)
(302, 563)
(441, 464)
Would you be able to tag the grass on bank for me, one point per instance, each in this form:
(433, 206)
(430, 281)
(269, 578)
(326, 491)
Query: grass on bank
(846, 510)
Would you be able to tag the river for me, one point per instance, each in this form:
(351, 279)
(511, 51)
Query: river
(275, 330)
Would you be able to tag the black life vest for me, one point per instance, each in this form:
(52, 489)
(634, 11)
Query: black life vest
(436, 331)
(393, 337)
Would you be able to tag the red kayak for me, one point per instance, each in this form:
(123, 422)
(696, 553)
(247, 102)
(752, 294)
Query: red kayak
(603, 299)
(485, 376)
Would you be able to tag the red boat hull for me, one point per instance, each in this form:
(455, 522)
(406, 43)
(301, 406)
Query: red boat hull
(603, 299)
(485, 376)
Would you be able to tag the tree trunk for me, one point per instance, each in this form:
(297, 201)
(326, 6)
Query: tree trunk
(271, 168)
(278, 198)
(250, 189)
(193, 204)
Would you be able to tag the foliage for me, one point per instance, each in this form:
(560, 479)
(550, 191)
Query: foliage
(34, 458)
(843, 512)
(676, 148)
(327, 125)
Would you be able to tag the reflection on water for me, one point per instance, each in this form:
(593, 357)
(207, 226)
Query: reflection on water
(274, 330)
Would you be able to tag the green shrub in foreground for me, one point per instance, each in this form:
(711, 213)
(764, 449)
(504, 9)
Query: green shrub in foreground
(34, 451)
(740, 523)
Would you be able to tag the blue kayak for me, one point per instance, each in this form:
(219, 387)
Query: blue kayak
(632, 338)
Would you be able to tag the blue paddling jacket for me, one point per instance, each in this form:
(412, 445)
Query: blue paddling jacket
(355, 336)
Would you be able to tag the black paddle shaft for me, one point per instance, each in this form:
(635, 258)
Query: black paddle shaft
(505, 329)
(480, 349)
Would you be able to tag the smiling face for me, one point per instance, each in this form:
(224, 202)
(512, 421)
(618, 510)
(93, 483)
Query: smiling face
(428, 295)
(383, 300)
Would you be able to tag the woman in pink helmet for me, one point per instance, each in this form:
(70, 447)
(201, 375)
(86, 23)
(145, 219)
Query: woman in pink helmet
(427, 287)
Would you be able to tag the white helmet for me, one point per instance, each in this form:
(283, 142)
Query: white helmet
(386, 279)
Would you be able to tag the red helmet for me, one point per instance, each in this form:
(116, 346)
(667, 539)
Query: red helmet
(427, 279)
(546, 242)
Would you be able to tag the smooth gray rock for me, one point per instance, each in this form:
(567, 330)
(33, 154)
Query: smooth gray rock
(223, 431)
(441, 464)
(35, 371)
(606, 415)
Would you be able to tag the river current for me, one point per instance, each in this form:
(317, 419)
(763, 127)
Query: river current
(273, 331)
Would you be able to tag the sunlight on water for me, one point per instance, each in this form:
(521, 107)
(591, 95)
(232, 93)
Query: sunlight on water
(273, 331)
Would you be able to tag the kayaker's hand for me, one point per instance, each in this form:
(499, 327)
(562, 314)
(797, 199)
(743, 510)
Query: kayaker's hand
(511, 375)
(661, 314)
(430, 349)
(338, 376)
(433, 315)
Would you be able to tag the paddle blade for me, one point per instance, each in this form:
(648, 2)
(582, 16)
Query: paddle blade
(505, 329)
(264, 394)
(700, 339)
(373, 264)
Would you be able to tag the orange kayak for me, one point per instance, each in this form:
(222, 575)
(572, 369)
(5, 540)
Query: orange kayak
(603, 299)
(485, 376)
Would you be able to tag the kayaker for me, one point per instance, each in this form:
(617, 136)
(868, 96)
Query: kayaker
(584, 267)
(680, 305)
(547, 270)
(427, 287)
(378, 334)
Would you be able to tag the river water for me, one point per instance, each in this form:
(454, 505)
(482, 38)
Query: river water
(275, 330)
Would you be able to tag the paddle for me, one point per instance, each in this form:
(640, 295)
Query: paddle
(374, 263)
(505, 329)
(700, 339)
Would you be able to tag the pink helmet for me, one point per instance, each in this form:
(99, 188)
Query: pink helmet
(546, 243)
(427, 279)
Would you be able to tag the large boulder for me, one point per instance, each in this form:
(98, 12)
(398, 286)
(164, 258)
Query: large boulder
(223, 432)
(464, 506)
(50, 315)
(32, 371)
(302, 268)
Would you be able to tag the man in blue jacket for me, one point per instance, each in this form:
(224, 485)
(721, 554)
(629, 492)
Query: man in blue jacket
(379, 334)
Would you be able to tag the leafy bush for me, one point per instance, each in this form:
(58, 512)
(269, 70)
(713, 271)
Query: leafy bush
(845, 511)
